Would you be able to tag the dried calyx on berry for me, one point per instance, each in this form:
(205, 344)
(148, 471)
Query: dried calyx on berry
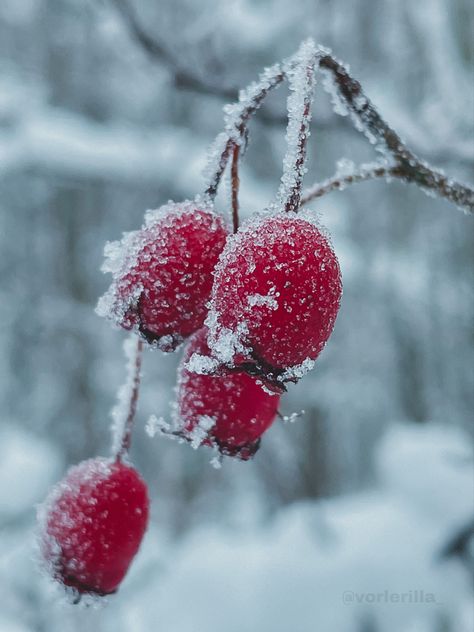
(275, 298)
(162, 274)
(91, 526)
(228, 412)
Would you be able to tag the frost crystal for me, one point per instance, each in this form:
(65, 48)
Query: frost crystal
(202, 365)
(156, 424)
(345, 167)
(226, 343)
(338, 103)
(296, 372)
(119, 412)
(216, 462)
(200, 431)
(359, 108)
(235, 117)
(293, 417)
(301, 77)
(269, 300)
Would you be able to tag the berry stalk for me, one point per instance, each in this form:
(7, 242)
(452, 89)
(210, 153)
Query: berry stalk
(235, 183)
(236, 118)
(302, 83)
(124, 412)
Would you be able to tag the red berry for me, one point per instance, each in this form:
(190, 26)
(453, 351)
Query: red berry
(230, 412)
(276, 295)
(92, 525)
(163, 273)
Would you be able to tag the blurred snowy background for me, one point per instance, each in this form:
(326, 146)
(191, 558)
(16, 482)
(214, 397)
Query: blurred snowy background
(371, 492)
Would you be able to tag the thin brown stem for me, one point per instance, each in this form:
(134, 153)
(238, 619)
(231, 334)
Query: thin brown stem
(235, 184)
(407, 166)
(431, 180)
(294, 200)
(362, 109)
(131, 390)
(235, 124)
(457, 193)
(340, 182)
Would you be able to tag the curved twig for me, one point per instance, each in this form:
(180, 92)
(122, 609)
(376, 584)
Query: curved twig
(237, 116)
(129, 391)
(340, 182)
(235, 183)
(408, 166)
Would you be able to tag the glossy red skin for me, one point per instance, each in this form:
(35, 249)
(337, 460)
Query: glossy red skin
(174, 267)
(292, 258)
(241, 408)
(94, 523)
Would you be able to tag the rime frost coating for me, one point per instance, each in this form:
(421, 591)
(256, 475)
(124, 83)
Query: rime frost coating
(91, 525)
(276, 294)
(121, 410)
(229, 412)
(235, 115)
(162, 274)
(302, 81)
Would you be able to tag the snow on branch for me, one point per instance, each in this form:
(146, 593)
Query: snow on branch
(300, 74)
(340, 182)
(123, 413)
(235, 124)
(399, 161)
(348, 98)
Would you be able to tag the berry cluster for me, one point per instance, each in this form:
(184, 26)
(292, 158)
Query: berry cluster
(260, 303)
(256, 308)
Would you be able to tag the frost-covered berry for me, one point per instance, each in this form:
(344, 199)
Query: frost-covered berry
(162, 274)
(92, 524)
(230, 412)
(276, 295)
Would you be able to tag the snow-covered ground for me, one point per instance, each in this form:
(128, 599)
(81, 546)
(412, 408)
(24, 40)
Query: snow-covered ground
(371, 558)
